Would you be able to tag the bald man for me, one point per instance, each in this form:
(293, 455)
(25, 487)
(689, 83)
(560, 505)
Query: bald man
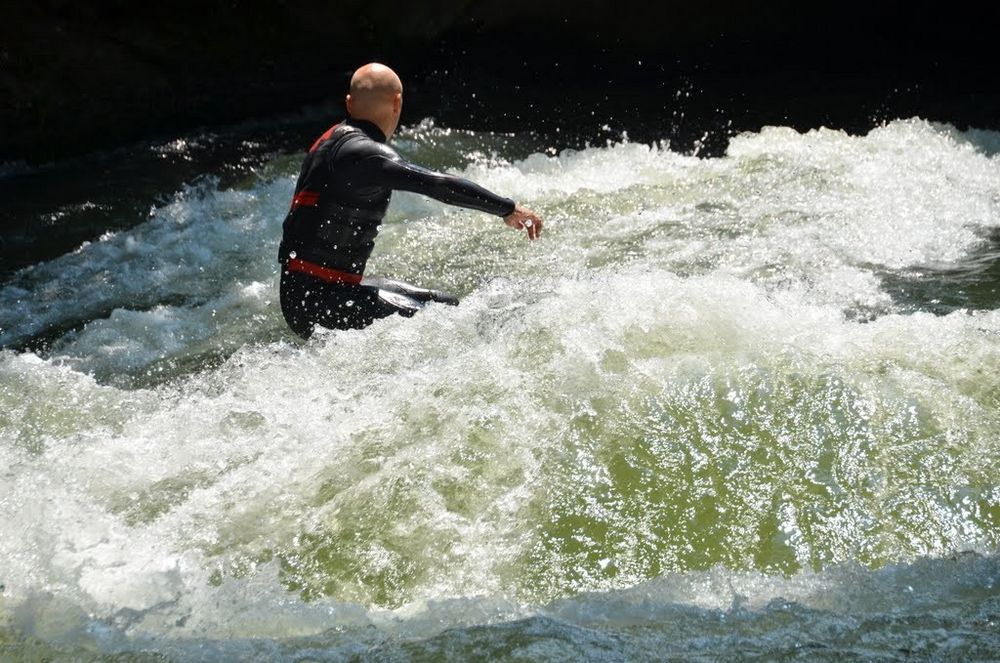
(340, 199)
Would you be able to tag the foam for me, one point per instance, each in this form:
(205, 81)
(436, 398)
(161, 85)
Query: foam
(202, 239)
(664, 408)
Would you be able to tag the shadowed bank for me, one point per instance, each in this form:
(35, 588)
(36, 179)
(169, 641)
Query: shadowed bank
(82, 76)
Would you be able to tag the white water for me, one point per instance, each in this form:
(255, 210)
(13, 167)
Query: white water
(668, 414)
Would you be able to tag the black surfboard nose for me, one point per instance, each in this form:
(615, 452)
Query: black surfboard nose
(413, 292)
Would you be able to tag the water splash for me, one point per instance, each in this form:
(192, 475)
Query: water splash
(693, 407)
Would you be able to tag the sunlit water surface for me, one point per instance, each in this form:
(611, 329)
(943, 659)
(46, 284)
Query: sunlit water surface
(746, 406)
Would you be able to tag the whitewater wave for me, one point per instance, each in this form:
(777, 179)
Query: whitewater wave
(691, 419)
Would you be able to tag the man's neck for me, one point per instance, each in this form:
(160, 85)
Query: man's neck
(374, 131)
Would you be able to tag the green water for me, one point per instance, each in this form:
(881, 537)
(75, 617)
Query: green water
(726, 408)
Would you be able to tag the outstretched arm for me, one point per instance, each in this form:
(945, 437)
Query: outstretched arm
(401, 175)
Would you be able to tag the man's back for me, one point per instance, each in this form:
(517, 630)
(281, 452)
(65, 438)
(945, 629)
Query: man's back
(337, 206)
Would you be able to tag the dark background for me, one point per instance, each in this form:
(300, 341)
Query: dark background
(81, 76)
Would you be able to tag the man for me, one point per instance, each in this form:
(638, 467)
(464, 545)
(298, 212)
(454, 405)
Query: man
(340, 199)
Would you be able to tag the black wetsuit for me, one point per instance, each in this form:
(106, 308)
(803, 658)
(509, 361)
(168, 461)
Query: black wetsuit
(340, 198)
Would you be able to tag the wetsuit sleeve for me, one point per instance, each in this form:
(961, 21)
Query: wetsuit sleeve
(397, 174)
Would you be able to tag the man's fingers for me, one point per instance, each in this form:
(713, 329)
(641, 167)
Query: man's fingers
(514, 222)
(534, 225)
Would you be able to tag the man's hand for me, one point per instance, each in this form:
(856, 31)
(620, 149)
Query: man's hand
(524, 219)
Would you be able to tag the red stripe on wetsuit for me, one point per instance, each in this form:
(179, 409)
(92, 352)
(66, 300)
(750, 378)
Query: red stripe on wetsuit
(321, 272)
(326, 136)
(305, 198)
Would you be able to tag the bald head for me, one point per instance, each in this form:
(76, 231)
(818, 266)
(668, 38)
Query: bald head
(374, 82)
(376, 95)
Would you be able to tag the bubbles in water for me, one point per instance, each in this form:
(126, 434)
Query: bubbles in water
(692, 403)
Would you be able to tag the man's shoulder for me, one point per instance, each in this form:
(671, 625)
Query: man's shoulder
(358, 144)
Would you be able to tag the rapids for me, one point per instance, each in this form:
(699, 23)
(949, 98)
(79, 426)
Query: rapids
(738, 406)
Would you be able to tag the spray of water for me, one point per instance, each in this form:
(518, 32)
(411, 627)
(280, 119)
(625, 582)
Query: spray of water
(693, 407)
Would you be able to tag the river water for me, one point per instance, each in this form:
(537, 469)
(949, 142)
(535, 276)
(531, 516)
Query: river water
(733, 407)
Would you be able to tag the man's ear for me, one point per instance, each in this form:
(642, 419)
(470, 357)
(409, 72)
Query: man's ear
(347, 102)
(397, 103)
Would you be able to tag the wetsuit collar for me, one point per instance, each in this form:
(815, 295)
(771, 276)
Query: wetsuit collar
(370, 128)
